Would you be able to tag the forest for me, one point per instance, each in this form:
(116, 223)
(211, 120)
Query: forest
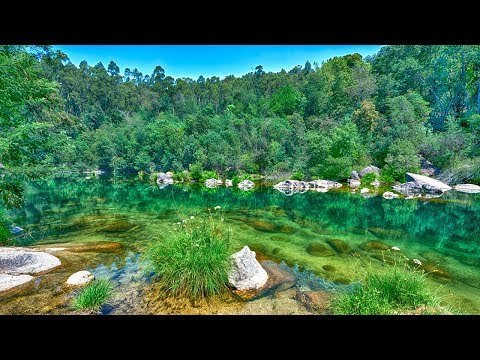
(393, 109)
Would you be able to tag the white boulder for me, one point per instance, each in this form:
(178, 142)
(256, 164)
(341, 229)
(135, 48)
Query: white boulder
(389, 195)
(80, 278)
(468, 188)
(428, 182)
(16, 261)
(246, 272)
(8, 282)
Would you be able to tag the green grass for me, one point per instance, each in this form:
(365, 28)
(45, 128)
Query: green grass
(192, 260)
(390, 291)
(93, 296)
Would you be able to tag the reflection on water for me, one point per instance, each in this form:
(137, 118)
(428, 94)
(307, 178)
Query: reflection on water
(317, 231)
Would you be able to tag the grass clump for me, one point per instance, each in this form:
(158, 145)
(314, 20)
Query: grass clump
(391, 291)
(193, 260)
(93, 296)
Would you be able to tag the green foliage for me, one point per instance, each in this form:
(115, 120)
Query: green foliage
(209, 174)
(402, 158)
(5, 236)
(322, 121)
(194, 259)
(297, 175)
(93, 296)
(367, 179)
(182, 176)
(239, 178)
(336, 153)
(383, 292)
(286, 100)
(196, 172)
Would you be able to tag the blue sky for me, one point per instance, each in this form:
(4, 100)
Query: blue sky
(209, 60)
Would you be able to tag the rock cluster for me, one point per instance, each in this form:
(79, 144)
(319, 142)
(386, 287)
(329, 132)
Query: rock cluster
(290, 187)
(17, 266)
(419, 184)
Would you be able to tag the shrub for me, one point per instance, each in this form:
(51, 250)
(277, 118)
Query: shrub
(182, 176)
(209, 174)
(194, 259)
(5, 236)
(196, 171)
(93, 296)
(391, 291)
(298, 175)
(386, 178)
(239, 178)
(367, 179)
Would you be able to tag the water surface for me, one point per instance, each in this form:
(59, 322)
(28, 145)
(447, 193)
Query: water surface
(321, 232)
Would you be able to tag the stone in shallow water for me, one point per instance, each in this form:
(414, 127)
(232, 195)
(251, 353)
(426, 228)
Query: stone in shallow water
(8, 282)
(433, 256)
(318, 249)
(280, 276)
(387, 259)
(246, 272)
(117, 226)
(80, 278)
(15, 261)
(329, 268)
(339, 246)
(468, 188)
(431, 269)
(373, 246)
(316, 301)
(389, 195)
(102, 246)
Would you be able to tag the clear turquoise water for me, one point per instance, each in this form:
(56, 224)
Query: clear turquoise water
(443, 231)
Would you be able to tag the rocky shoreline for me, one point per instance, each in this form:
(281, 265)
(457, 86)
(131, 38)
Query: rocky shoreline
(417, 185)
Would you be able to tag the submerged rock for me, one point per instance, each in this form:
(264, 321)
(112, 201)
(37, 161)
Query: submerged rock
(373, 246)
(16, 261)
(246, 185)
(8, 282)
(430, 268)
(316, 301)
(468, 188)
(390, 195)
(246, 272)
(319, 249)
(80, 278)
(117, 226)
(280, 276)
(339, 246)
(329, 268)
(101, 246)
